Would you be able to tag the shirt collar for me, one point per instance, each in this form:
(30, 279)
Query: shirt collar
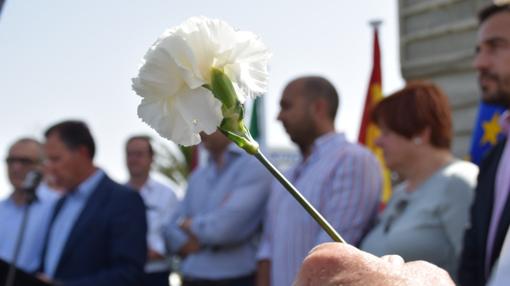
(504, 121)
(327, 142)
(149, 185)
(86, 187)
(232, 151)
(9, 201)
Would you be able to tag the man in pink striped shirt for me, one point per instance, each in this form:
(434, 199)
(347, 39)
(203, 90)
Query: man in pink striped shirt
(341, 179)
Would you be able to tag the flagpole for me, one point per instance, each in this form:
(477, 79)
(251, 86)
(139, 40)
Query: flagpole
(376, 23)
(375, 75)
(368, 131)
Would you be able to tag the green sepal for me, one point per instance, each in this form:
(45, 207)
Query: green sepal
(248, 144)
(232, 110)
(222, 88)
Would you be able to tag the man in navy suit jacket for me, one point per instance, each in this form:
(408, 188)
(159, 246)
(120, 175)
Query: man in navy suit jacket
(490, 212)
(98, 229)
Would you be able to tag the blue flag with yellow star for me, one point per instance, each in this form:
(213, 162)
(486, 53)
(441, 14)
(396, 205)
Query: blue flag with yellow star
(487, 131)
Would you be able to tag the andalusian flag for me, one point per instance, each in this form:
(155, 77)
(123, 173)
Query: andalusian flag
(257, 121)
(369, 132)
(1, 5)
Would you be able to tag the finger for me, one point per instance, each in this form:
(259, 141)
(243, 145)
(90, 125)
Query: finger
(327, 245)
(429, 274)
(394, 259)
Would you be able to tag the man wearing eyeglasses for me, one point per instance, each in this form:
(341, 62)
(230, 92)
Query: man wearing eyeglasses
(24, 155)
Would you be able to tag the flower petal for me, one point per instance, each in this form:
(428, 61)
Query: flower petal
(201, 43)
(252, 57)
(182, 117)
(245, 62)
(159, 75)
(189, 61)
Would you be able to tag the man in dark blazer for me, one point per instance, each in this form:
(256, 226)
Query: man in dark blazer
(97, 233)
(490, 213)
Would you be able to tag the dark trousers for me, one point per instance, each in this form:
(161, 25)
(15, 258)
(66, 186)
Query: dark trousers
(239, 281)
(156, 279)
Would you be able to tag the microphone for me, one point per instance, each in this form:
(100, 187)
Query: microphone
(30, 183)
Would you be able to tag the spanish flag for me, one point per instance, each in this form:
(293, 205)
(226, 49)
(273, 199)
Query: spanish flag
(369, 132)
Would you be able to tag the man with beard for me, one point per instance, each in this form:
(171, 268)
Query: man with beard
(341, 179)
(490, 213)
(338, 264)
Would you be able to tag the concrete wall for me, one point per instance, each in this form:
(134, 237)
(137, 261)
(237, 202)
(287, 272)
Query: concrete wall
(437, 42)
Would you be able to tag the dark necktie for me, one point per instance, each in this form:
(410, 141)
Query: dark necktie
(56, 210)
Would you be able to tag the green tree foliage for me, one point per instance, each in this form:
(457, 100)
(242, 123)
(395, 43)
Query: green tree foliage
(173, 161)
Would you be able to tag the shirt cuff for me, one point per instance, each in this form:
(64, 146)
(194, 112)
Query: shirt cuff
(176, 238)
(157, 243)
(197, 228)
(264, 252)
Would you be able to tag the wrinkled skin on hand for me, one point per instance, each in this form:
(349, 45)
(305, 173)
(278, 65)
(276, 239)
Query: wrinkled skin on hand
(335, 264)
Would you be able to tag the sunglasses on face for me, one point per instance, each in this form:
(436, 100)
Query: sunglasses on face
(25, 161)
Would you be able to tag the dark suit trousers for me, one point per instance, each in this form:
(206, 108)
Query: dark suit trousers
(156, 279)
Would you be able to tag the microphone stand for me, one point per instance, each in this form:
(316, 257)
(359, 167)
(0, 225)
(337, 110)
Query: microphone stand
(30, 198)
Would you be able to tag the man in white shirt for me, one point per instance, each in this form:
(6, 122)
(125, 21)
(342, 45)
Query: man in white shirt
(160, 202)
(501, 274)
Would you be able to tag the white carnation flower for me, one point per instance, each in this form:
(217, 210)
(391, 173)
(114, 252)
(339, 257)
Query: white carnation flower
(175, 77)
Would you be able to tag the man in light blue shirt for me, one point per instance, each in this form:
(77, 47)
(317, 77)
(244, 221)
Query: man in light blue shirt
(217, 227)
(25, 155)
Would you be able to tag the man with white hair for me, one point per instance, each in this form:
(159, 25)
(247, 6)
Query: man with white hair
(24, 156)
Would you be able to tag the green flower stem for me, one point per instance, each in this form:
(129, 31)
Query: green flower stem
(300, 198)
(233, 127)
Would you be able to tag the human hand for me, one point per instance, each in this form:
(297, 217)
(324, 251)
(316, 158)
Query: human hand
(43, 277)
(191, 246)
(333, 264)
(153, 255)
(185, 225)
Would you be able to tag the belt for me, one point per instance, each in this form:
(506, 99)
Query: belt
(247, 280)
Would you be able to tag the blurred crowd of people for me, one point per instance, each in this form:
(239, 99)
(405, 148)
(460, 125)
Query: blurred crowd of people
(237, 226)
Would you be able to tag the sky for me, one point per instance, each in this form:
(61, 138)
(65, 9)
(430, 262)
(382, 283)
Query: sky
(63, 59)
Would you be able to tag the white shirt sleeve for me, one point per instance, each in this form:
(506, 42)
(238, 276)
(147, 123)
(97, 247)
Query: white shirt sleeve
(501, 274)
